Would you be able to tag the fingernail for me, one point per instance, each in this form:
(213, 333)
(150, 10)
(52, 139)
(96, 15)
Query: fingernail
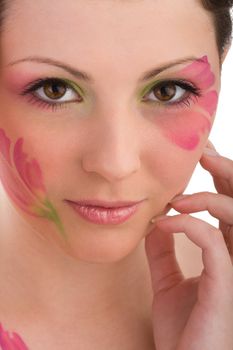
(210, 152)
(177, 198)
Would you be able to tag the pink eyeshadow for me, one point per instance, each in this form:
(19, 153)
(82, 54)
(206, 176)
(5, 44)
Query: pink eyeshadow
(15, 81)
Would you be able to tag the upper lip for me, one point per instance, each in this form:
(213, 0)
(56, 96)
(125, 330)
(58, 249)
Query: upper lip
(105, 204)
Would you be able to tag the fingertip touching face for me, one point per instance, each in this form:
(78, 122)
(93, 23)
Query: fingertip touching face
(105, 100)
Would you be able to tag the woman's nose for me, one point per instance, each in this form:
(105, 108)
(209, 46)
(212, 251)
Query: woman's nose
(113, 152)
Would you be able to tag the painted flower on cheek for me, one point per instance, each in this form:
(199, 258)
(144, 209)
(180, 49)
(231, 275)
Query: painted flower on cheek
(185, 127)
(11, 342)
(23, 181)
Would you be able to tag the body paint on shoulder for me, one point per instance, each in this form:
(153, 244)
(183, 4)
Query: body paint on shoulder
(11, 340)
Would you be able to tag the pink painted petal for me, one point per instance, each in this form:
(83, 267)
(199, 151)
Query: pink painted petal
(20, 159)
(206, 78)
(18, 342)
(189, 137)
(34, 176)
(209, 102)
(201, 72)
(5, 146)
(11, 342)
(26, 187)
(25, 199)
(18, 201)
(29, 171)
(16, 189)
(5, 342)
(188, 142)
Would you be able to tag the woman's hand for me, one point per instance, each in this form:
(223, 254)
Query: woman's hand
(195, 313)
(219, 205)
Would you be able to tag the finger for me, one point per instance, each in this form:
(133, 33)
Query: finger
(222, 186)
(215, 256)
(164, 268)
(227, 231)
(219, 206)
(221, 168)
(210, 145)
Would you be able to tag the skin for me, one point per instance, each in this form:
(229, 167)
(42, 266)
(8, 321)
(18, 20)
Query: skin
(111, 146)
(11, 341)
(183, 127)
(23, 182)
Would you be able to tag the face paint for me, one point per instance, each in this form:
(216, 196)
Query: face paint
(200, 71)
(11, 341)
(184, 128)
(209, 102)
(185, 134)
(23, 181)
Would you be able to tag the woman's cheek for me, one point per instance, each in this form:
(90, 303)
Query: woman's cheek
(23, 180)
(209, 102)
(185, 128)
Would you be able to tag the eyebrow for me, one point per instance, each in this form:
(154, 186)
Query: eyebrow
(87, 78)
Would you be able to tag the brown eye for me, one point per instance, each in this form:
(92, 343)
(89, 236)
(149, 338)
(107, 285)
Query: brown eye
(54, 90)
(171, 93)
(165, 92)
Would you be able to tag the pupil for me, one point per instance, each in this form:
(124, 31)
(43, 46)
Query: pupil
(54, 90)
(166, 92)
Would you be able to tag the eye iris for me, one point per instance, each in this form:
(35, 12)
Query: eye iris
(165, 92)
(54, 90)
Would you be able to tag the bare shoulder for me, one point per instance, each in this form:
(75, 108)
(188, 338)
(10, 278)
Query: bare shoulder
(11, 340)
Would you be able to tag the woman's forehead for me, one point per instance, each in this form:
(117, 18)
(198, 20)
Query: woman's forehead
(85, 21)
(116, 31)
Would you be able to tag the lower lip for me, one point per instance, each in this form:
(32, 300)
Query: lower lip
(105, 216)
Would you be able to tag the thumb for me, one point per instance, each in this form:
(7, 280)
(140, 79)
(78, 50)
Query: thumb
(164, 267)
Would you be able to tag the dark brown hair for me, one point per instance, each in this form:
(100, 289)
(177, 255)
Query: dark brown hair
(220, 11)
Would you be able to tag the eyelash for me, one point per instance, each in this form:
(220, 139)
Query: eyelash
(193, 93)
(34, 86)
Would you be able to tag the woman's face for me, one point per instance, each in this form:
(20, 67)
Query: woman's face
(121, 134)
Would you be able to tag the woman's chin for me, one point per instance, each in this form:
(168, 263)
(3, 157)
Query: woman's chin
(87, 242)
(104, 246)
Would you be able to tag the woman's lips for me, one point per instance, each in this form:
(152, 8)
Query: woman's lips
(105, 216)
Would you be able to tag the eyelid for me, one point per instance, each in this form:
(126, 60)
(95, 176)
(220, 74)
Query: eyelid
(74, 85)
(192, 89)
(175, 81)
(36, 84)
(147, 88)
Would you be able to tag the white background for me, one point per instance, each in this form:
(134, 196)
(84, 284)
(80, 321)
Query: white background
(221, 136)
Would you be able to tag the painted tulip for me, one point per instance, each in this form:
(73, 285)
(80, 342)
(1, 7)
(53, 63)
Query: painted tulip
(23, 181)
(11, 341)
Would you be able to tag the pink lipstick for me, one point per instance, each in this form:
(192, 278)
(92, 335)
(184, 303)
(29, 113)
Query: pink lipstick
(107, 214)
